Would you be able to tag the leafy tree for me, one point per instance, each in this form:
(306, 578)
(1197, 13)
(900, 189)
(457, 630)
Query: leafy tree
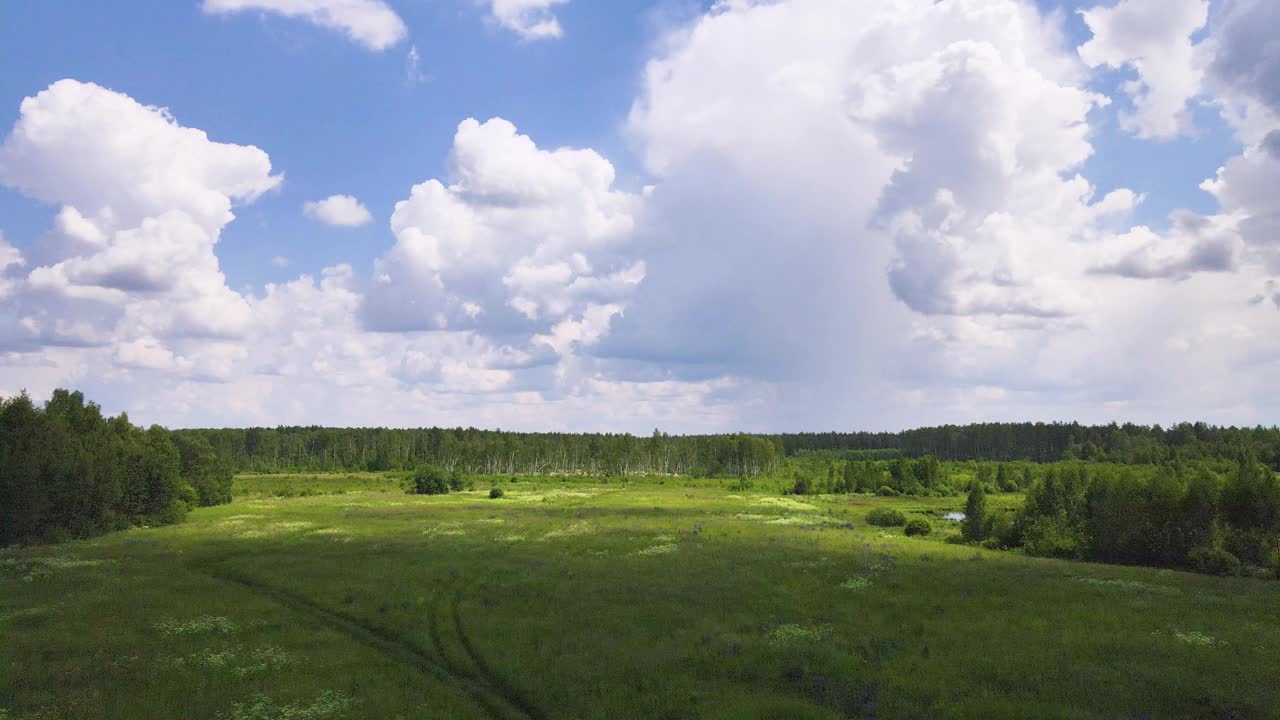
(974, 527)
(429, 480)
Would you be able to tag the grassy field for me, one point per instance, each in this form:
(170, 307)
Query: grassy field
(593, 600)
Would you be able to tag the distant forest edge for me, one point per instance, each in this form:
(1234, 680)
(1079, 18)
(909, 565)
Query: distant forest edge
(67, 471)
(495, 452)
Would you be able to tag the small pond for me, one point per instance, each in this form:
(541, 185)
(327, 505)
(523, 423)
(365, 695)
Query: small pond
(953, 515)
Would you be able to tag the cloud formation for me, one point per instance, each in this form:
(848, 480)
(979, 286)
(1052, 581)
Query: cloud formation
(530, 19)
(338, 210)
(371, 23)
(1153, 38)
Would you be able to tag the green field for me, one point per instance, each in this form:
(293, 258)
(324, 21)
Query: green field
(586, 599)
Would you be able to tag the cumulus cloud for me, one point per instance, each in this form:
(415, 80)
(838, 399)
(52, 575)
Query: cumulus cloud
(521, 238)
(371, 23)
(530, 19)
(144, 201)
(887, 202)
(1153, 38)
(1246, 55)
(338, 210)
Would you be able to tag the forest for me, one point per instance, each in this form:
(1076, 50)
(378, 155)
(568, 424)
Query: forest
(67, 471)
(316, 449)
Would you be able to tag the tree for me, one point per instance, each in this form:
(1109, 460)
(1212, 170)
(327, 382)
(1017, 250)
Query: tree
(429, 480)
(975, 509)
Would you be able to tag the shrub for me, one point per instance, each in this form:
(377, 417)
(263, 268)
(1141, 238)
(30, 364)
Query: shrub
(1213, 561)
(915, 489)
(455, 481)
(886, 491)
(1053, 537)
(428, 480)
(495, 493)
(886, 517)
(918, 526)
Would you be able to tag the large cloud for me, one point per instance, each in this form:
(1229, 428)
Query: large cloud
(1153, 37)
(520, 239)
(143, 203)
(879, 210)
(371, 23)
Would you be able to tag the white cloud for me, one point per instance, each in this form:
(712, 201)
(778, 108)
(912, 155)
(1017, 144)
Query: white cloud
(371, 23)
(339, 210)
(144, 201)
(802, 148)
(1153, 38)
(531, 19)
(520, 238)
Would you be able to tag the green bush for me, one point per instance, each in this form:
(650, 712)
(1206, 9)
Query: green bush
(886, 517)
(918, 526)
(495, 493)
(428, 480)
(916, 489)
(1053, 537)
(1213, 561)
(886, 491)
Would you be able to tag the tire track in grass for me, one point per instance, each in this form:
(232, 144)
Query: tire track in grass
(446, 614)
(494, 697)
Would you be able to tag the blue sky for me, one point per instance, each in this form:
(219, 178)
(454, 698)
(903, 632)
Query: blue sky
(586, 294)
(335, 117)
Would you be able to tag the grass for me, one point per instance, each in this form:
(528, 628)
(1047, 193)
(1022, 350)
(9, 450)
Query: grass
(609, 600)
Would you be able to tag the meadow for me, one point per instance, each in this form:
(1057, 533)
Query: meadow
(338, 596)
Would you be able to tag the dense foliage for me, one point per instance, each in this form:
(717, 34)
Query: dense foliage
(1051, 442)
(1168, 516)
(739, 455)
(66, 471)
(494, 452)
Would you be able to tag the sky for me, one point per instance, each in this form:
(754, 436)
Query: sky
(710, 216)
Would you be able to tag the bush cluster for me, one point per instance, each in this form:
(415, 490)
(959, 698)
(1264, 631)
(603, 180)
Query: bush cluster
(886, 517)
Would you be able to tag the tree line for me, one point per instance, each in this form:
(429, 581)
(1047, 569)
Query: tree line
(1210, 517)
(66, 471)
(493, 452)
(1051, 442)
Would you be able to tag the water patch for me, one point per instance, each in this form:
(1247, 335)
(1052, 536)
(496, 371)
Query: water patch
(953, 515)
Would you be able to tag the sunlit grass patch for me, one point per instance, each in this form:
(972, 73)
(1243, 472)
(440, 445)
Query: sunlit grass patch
(792, 634)
(452, 528)
(275, 528)
(573, 529)
(259, 660)
(1189, 637)
(31, 569)
(784, 502)
(512, 538)
(857, 582)
(201, 625)
(1127, 585)
(661, 549)
(23, 613)
(329, 706)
